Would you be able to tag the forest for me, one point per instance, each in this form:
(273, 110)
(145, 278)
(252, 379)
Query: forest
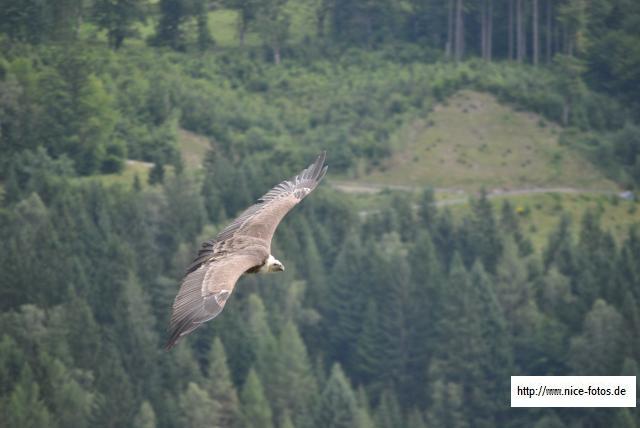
(133, 130)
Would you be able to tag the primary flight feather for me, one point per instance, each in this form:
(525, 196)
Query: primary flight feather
(242, 247)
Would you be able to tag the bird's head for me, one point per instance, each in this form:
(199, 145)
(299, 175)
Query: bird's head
(275, 266)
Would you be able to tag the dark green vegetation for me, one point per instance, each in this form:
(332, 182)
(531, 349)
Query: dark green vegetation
(404, 317)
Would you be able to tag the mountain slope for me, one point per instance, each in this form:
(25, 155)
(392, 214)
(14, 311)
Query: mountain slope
(471, 141)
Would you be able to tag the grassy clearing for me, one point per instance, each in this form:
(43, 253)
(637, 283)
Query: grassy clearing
(193, 148)
(471, 141)
(127, 176)
(223, 25)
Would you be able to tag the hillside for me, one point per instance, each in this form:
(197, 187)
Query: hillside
(472, 141)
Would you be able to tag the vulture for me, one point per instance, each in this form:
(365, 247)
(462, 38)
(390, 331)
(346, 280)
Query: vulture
(243, 247)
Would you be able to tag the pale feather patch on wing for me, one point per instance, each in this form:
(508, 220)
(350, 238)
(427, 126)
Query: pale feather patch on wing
(222, 296)
(205, 291)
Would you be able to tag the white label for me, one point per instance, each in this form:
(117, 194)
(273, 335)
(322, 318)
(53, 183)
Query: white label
(573, 391)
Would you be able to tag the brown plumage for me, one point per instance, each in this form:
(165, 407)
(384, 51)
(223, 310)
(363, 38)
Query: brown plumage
(244, 246)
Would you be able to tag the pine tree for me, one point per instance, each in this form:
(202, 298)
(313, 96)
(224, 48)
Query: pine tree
(427, 212)
(255, 407)
(133, 319)
(388, 414)
(598, 350)
(444, 237)
(116, 408)
(424, 310)
(220, 386)
(11, 362)
(447, 404)
(286, 421)
(493, 353)
(403, 207)
(391, 284)
(364, 418)
(368, 360)
(337, 407)
(73, 401)
(146, 417)
(197, 408)
(485, 238)
(345, 307)
(473, 347)
(265, 346)
(296, 387)
(595, 256)
(156, 175)
(415, 419)
(24, 407)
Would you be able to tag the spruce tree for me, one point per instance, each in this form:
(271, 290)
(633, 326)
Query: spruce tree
(486, 240)
(220, 386)
(146, 417)
(74, 400)
(296, 387)
(598, 350)
(265, 346)
(388, 413)
(427, 212)
(342, 317)
(197, 408)
(415, 419)
(560, 248)
(24, 407)
(133, 322)
(256, 411)
(423, 311)
(368, 357)
(337, 407)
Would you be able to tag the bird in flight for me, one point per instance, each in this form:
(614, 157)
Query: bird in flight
(242, 247)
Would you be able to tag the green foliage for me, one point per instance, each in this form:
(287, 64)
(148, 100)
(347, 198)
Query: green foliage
(428, 312)
(197, 408)
(117, 18)
(146, 417)
(221, 387)
(23, 407)
(255, 407)
(337, 406)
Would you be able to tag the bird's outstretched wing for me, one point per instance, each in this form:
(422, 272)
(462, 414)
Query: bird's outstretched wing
(243, 245)
(262, 218)
(204, 291)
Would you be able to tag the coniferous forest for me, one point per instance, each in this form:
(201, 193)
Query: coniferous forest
(397, 310)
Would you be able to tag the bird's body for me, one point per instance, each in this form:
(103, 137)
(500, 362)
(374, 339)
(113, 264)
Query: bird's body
(242, 247)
